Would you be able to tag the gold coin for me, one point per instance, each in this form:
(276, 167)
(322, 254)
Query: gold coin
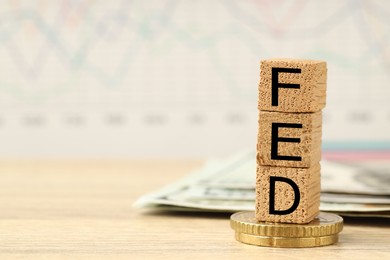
(287, 241)
(325, 224)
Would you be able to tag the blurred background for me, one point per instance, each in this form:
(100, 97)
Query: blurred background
(178, 79)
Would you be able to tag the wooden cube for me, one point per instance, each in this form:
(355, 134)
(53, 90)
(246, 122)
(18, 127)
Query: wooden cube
(289, 85)
(287, 195)
(289, 139)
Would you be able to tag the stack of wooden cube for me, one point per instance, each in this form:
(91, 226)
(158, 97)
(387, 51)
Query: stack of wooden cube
(292, 94)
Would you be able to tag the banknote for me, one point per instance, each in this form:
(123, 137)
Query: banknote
(354, 198)
(229, 186)
(357, 178)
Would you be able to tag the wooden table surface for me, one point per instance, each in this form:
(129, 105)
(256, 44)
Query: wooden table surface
(83, 210)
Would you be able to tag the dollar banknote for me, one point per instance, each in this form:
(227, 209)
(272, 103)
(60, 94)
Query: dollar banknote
(356, 178)
(357, 189)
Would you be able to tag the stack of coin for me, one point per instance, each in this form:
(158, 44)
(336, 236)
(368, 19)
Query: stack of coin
(322, 231)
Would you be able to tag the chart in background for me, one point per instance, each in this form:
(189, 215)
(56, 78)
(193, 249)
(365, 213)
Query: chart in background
(179, 78)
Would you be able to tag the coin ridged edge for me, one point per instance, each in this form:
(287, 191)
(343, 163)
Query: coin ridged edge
(296, 231)
(267, 229)
(286, 242)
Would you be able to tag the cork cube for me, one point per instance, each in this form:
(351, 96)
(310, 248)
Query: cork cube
(290, 85)
(289, 139)
(287, 195)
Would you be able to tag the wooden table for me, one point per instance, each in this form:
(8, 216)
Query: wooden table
(77, 210)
